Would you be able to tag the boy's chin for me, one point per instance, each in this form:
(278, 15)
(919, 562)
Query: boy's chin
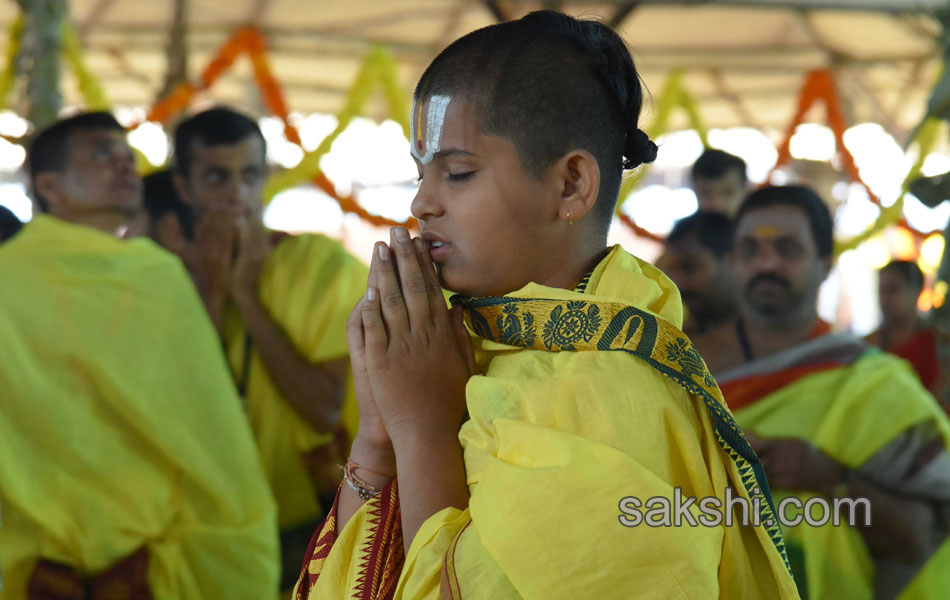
(462, 286)
(470, 282)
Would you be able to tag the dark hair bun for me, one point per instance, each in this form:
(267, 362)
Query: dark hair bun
(639, 149)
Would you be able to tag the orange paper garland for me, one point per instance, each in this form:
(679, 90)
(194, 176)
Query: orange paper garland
(820, 86)
(626, 220)
(250, 41)
(243, 41)
(350, 205)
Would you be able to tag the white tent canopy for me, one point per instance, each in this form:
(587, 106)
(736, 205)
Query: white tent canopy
(744, 59)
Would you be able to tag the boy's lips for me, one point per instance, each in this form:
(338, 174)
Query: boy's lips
(438, 247)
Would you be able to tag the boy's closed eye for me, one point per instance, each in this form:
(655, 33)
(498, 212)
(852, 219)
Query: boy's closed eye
(460, 177)
(452, 177)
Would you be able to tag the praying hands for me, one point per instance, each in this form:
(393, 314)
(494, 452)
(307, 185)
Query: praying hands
(411, 360)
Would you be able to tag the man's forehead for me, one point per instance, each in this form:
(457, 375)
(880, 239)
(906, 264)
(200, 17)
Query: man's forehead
(92, 136)
(773, 222)
(80, 142)
(249, 150)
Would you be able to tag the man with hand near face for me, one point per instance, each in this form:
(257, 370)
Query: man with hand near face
(127, 466)
(831, 417)
(280, 305)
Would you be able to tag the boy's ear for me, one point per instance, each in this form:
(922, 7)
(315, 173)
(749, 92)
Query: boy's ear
(578, 176)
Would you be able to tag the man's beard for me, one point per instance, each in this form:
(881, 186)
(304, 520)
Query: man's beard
(780, 305)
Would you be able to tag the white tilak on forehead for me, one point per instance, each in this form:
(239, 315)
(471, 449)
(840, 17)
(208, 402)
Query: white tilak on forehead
(435, 119)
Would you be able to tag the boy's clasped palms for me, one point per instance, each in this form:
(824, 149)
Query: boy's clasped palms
(411, 355)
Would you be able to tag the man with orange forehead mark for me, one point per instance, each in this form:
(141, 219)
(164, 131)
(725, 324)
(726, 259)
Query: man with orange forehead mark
(504, 444)
(832, 418)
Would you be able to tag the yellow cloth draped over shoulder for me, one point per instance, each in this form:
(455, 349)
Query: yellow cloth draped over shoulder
(120, 429)
(586, 397)
(309, 285)
(849, 402)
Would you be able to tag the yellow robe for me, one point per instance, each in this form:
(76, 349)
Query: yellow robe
(556, 439)
(119, 424)
(848, 412)
(309, 285)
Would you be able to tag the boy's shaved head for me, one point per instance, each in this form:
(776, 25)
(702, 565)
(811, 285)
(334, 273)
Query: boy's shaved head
(550, 84)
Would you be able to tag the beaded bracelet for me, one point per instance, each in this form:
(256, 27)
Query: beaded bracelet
(362, 489)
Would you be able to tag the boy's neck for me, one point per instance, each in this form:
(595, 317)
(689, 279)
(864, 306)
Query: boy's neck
(569, 274)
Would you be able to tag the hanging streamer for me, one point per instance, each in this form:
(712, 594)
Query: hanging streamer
(378, 70)
(819, 86)
(349, 205)
(270, 90)
(89, 86)
(274, 99)
(242, 41)
(640, 231)
(925, 139)
(8, 76)
(673, 96)
(386, 74)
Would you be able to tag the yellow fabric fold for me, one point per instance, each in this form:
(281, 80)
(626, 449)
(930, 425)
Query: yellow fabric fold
(823, 409)
(309, 285)
(423, 570)
(549, 552)
(554, 441)
(119, 424)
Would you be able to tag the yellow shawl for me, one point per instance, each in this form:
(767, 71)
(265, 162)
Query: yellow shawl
(119, 424)
(558, 434)
(849, 412)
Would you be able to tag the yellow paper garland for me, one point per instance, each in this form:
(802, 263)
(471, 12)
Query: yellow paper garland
(674, 95)
(378, 69)
(925, 139)
(89, 85)
(8, 77)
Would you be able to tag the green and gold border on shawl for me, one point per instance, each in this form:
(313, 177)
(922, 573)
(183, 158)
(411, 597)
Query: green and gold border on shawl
(577, 325)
